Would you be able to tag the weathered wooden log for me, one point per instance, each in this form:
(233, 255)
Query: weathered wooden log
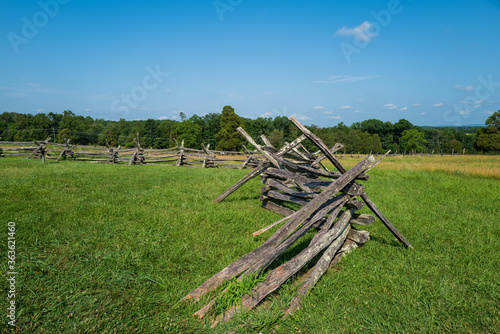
(268, 156)
(181, 152)
(287, 198)
(286, 190)
(276, 208)
(333, 208)
(256, 171)
(287, 147)
(319, 143)
(160, 160)
(319, 269)
(280, 274)
(335, 148)
(362, 219)
(302, 216)
(386, 221)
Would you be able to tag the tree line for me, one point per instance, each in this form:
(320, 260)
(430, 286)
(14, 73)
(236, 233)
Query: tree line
(219, 130)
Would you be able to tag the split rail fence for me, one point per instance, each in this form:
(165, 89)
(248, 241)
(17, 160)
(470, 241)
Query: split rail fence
(178, 155)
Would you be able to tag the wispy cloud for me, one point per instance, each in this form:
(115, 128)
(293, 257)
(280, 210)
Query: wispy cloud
(327, 112)
(346, 78)
(404, 108)
(464, 87)
(301, 117)
(423, 113)
(266, 114)
(437, 104)
(334, 117)
(345, 106)
(416, 104)
(318, 107)
(357, 111)
(390, 106)
(362, 33)
(464, 112)
(487, 112)
(162, 118)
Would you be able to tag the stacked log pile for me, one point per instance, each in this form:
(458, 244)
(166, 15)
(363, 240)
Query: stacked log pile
(322, 200)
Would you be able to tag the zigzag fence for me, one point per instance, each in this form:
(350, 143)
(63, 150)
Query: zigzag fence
(178, 155)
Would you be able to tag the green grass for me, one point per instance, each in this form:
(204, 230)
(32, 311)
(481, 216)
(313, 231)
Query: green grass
(113, 248)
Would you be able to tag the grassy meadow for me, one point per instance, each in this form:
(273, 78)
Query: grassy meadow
(114, 248)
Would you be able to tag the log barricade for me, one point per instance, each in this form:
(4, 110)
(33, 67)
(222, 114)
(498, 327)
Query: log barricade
(310, 198)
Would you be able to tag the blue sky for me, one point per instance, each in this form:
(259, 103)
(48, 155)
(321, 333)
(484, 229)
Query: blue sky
(325, 62)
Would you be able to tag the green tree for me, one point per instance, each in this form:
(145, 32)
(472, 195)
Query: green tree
(187, 131)
(453, 146)
(228, 138)
(276, 138)
(411, 140)
(488, 138)
(494, 120)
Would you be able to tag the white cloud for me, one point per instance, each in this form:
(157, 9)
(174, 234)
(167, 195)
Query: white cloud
(345, 106)
(404, 108)
(488, 112)
(347, 78)
(327, 112)
(464, 87)
(478, 103)
(87, 110)
(266, 114)
(417, 104)
(361, 101)
(39, 110)
(390, 106)
(362, 33)
(464, 112)
(318, 107)
(176, 117)
(437, 104)
(357, 111)
(301, 117)
(423, 113)
(162, 118)
(334, 117)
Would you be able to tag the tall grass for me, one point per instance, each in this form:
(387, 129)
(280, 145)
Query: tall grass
(479, 165)
(113, 249)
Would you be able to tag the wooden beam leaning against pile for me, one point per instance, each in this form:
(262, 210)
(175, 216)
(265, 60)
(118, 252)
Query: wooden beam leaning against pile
(329, 206)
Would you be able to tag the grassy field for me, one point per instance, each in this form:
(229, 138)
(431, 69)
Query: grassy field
(113, 249)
